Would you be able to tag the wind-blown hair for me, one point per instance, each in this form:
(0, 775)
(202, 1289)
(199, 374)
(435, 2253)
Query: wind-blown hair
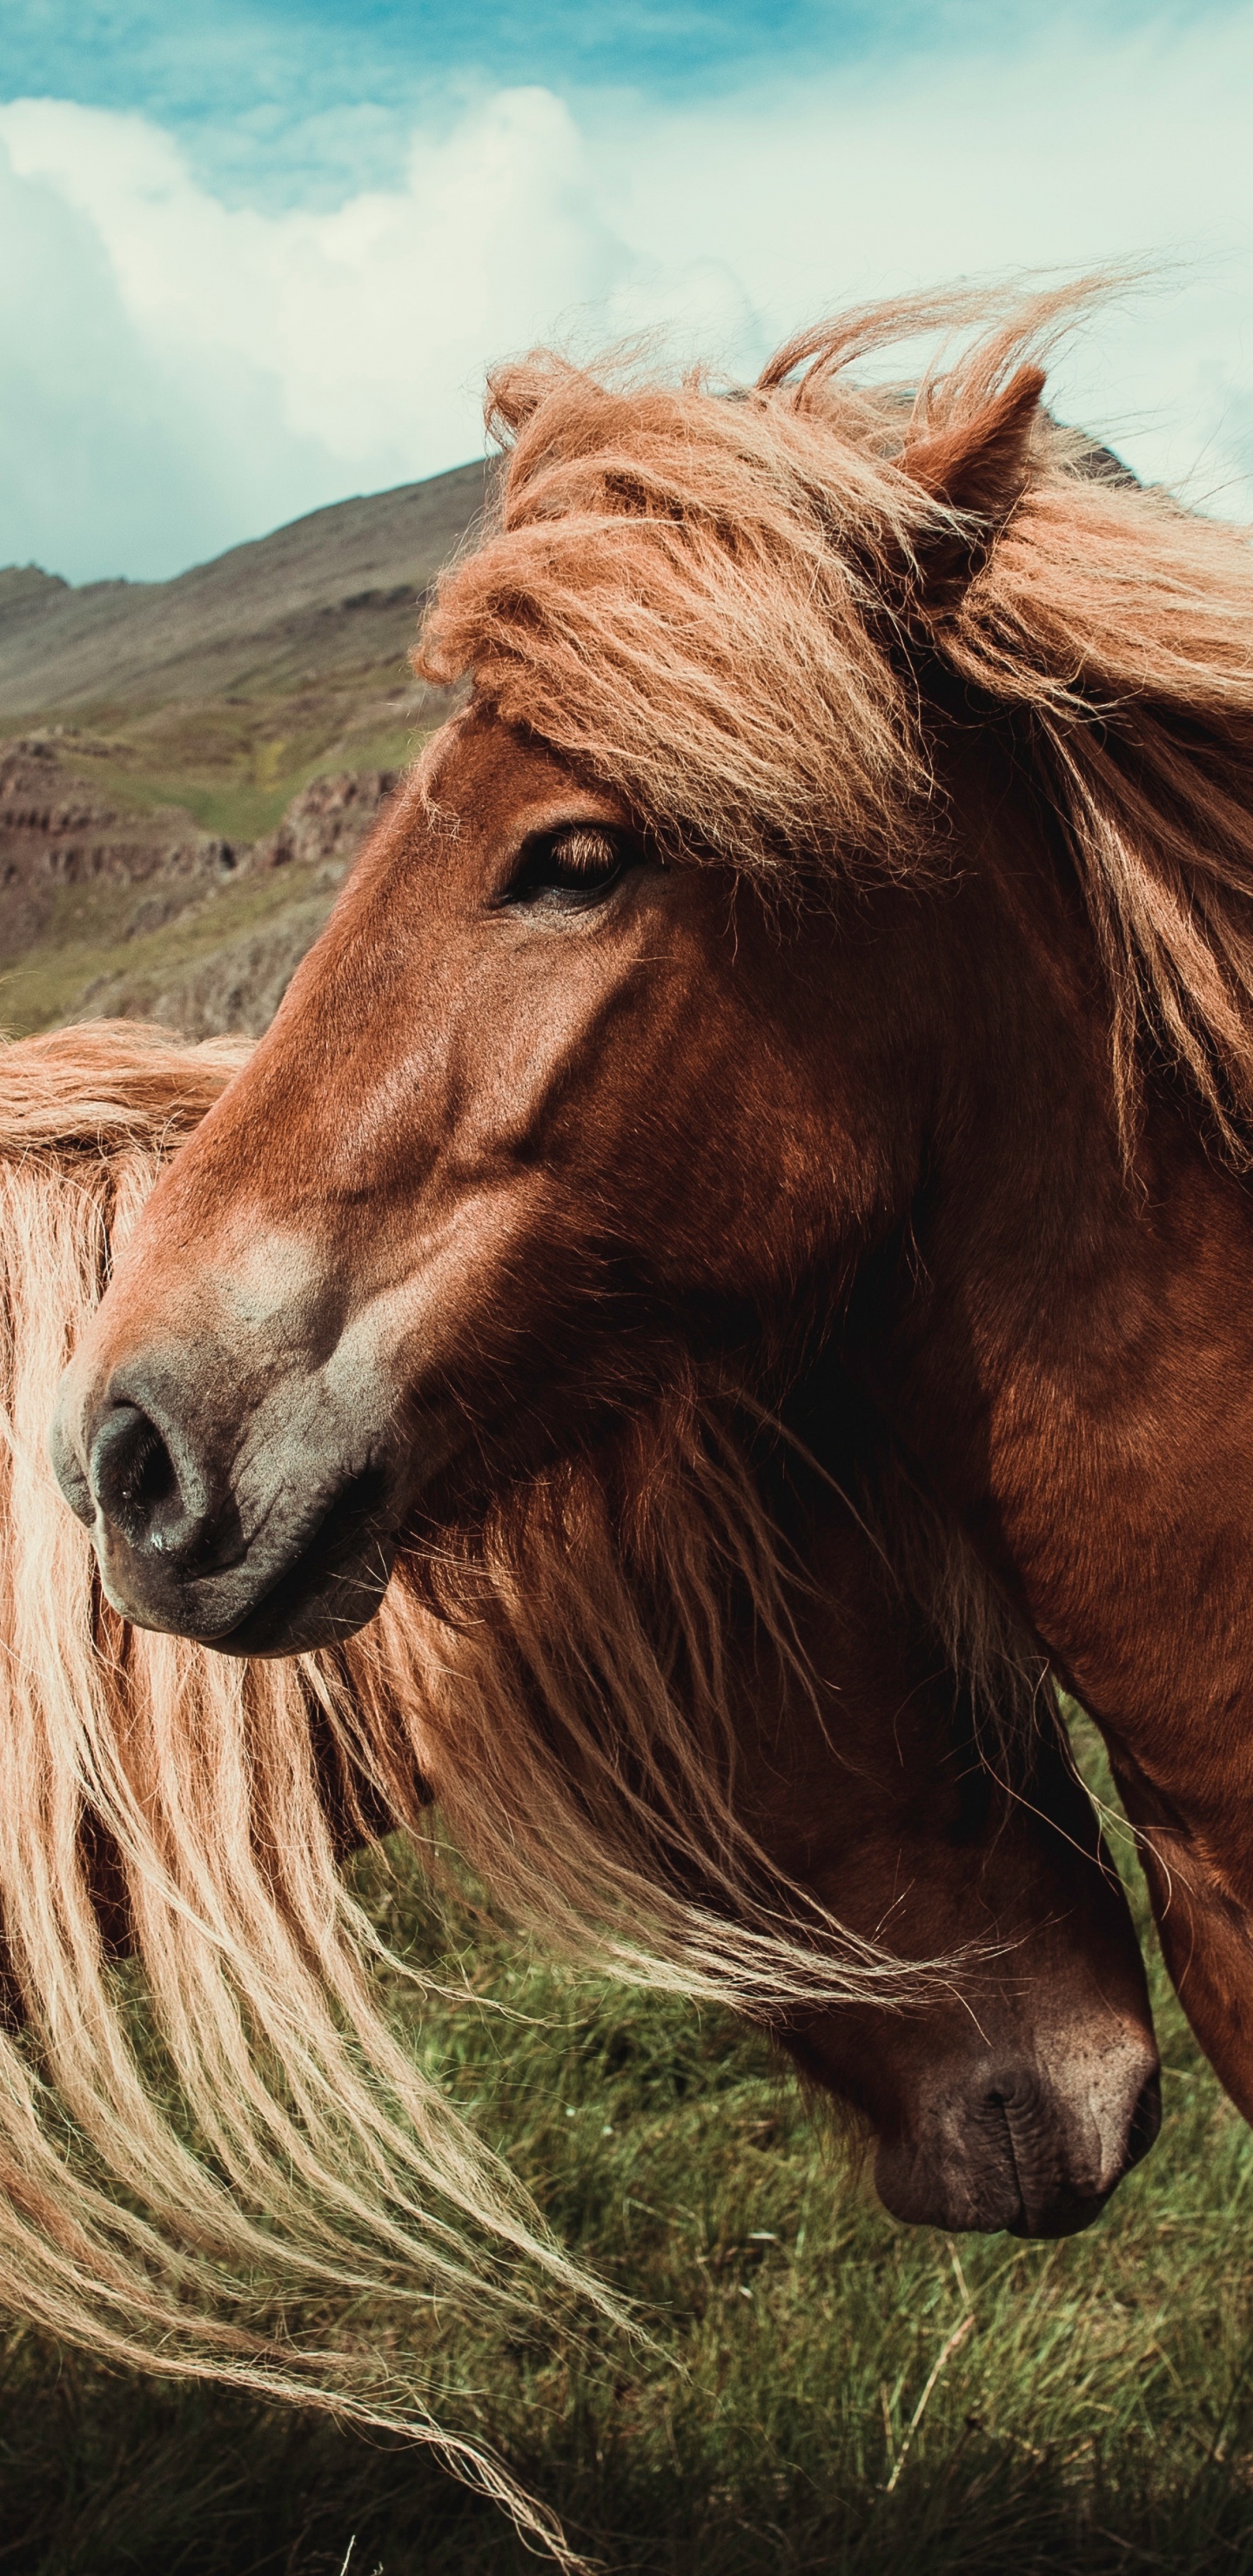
(722, 608)
(171, 1823)
(160, 1799)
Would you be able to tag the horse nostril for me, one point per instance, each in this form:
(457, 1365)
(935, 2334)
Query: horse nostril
(135, 1482)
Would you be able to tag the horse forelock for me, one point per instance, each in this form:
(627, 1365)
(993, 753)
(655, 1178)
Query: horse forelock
(723, 609)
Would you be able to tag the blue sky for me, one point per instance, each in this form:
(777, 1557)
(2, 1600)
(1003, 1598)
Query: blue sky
(255, 256)
(295, 99)
(218, 62)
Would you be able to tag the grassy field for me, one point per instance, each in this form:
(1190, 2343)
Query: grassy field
(826, 2392)
(233, 760)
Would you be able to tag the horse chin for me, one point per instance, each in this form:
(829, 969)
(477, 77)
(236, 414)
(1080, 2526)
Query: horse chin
(319, 1597)
(310, 1606)
(982, 2200)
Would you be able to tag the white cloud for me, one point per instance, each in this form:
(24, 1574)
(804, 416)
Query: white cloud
(1090, 149)
(179, 373)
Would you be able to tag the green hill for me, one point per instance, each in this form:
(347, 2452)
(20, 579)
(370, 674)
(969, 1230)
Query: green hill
(159, 732)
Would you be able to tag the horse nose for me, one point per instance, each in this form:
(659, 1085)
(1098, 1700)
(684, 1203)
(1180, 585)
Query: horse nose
(1036, 2150)
(145, 1484)
(1061, 2186)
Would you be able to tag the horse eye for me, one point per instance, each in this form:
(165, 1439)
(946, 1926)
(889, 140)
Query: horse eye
(576, 865)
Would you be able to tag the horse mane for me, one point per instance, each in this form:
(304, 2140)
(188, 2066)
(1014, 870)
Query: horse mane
(165, 2196)
(178, 1816)
(720, 607)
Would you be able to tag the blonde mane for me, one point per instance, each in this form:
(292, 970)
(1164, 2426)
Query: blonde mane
(171, 1822)
(719, 607)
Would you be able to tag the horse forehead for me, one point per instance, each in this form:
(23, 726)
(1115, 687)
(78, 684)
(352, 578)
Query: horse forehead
(478, 766)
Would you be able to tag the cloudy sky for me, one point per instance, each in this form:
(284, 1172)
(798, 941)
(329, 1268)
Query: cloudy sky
(255, 255)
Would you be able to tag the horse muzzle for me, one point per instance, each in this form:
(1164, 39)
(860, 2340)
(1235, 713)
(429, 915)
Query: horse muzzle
(266, 1546)
(1025, 2148)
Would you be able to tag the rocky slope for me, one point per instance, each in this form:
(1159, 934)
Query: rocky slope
(64, 842)
(192, 764)
(105, 913)
(342, 583)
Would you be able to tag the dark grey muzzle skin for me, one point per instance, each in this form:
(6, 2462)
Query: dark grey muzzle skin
(1020, 2151)
(1030, 2136)
(267, 1544)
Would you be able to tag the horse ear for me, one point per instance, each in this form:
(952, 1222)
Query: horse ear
(515, 389)
(980, 468)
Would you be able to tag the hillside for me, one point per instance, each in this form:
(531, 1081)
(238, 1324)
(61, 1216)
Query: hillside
(158, 733)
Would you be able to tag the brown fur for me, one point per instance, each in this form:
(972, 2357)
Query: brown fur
(1104, 644)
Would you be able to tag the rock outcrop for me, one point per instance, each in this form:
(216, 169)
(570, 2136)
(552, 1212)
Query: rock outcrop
(215, 929)
(63, 844)
(326, 823)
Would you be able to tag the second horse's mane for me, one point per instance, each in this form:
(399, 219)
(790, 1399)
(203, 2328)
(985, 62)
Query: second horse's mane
(183, 1812)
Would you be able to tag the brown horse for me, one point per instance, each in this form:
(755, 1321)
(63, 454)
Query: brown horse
(838, 1730)
(829, 920)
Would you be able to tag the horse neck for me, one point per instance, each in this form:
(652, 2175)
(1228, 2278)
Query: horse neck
(1066, 1347)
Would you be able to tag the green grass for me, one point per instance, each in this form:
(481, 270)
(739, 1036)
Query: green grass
(1096, 2415)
